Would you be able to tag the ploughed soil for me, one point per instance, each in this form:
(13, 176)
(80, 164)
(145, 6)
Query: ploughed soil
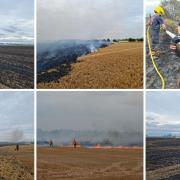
(16, 67)
(162, 158)
(168, 64)
(17, 164)
(119, 65)
(89, 164)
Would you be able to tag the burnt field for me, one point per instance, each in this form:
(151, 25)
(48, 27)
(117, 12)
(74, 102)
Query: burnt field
(118, 65)
(16, 67)
(163, 158)
(168, 64)
(89, 163)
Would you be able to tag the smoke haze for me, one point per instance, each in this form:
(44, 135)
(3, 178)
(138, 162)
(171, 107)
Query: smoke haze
(16, 116)
(90, 19)
(118, 115)
(17, 135)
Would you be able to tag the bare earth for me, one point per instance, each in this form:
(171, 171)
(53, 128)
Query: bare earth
(162, 159)
(16, 67)
(89, 164)
(17, 165)
(119, 65)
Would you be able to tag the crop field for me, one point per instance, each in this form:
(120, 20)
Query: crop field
(17, 164)
(162, 158)
(119, 65)
(16, 67)
(89, 164)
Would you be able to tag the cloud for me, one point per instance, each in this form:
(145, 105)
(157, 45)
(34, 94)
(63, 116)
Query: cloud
(17, 113)
(17, 21)
(162, 117)
(91, 19)
(161, 120)
(150, 5)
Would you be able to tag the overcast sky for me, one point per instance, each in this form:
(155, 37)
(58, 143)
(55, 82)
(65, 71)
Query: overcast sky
(16, 21)
(16, 116)
(150, 5)
(89, 19)
(163, 116)
(119, 111)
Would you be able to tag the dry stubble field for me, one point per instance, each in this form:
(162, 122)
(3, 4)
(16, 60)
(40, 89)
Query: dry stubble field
(119, 65)
(89, 164)
(16, 165)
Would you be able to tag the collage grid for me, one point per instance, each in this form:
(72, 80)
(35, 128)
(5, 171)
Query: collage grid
(94, 91)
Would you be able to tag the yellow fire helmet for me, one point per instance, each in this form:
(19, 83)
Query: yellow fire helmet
(159, 10)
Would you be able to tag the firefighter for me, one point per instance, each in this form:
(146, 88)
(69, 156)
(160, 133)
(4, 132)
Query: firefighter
(156, 22)
(178, 29)
(74, 143)
(17, 147)
(175, 43)
(50, 143)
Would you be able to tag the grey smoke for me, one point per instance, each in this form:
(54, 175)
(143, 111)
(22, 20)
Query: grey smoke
(17, 135)
(117, 116)
(114, 138)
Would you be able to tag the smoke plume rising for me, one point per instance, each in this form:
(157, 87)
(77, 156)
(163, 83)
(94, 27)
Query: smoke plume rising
(17, 135)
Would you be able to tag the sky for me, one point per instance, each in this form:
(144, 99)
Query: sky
(150, 5)
(16, 116)
(162, 117)
(90, 19)
(103, 111)
(16, 21)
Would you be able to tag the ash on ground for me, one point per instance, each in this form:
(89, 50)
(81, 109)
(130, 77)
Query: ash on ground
(168, 64)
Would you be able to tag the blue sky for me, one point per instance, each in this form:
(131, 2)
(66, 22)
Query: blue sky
(162, 117)
(16, 21)
(89, 19)
(16, 116)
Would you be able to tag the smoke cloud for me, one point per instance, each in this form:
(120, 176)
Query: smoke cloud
(17, 135)
(117, 116)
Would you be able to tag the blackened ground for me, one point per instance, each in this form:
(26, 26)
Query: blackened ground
(175, 177)
(16, 67)
(54, 60)
(169, 65)
(163, 158)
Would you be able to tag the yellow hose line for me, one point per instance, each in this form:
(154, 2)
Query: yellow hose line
(152, 58)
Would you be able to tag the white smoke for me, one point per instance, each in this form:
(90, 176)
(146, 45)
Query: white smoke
(17, 135)
(92, 48)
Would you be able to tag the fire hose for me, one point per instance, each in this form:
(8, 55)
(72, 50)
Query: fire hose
(152, 59)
